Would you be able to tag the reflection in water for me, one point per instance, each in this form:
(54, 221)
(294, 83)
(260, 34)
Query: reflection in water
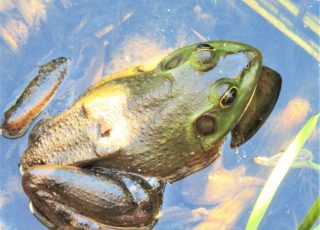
(12, 187)
(304, 159)
(15, 32)
(299, 25)
(34, 32)
(293, 114)
(137, 50)
(225, 215)
(219, 185)
(231, 192)
(286, 121)
(202, 16)
(226, 194)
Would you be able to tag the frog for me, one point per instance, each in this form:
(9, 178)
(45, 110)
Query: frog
(104, 162)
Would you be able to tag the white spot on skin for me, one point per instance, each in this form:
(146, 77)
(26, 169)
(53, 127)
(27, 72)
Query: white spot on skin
(133, 188)
(109, 111)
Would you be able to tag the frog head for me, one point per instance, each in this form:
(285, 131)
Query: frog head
(229, 88)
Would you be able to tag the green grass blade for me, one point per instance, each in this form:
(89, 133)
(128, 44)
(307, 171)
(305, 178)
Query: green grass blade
(279, 173)
(311, 216)
(315, 166)
(317, 227)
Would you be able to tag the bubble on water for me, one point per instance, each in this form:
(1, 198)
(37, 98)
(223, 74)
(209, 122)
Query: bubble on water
(244, 154)
(236, 151)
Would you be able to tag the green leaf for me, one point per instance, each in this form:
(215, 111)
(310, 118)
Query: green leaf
(317, 227)
(311, 216)
(279, 172)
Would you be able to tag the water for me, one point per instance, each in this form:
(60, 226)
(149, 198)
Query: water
(101, 37)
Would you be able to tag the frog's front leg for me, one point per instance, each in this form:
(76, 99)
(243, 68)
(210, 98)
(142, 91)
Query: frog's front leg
(92, 198)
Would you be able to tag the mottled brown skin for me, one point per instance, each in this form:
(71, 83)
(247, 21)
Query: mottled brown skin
(103, 163)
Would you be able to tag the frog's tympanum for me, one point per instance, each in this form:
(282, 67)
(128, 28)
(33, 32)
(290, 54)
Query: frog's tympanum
(103, 163)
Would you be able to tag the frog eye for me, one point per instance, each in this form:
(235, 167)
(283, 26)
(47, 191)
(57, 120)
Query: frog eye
(205, 125)
(229, 97)
(203, 57)
(173, 62)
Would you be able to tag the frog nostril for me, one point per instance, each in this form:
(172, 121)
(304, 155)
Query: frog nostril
(104, 129)
(106, 133)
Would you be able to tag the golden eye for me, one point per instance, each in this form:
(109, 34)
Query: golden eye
(229, 97)
(173, 62)
(205, 125)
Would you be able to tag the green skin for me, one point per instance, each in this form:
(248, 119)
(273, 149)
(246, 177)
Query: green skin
(84, 170)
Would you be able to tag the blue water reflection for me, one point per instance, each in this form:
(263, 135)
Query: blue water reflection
(97, 37)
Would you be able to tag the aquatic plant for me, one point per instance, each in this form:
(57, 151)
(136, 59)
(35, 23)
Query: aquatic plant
(276, 177)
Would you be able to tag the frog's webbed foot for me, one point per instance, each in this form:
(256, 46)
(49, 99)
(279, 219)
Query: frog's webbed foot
(95, 198)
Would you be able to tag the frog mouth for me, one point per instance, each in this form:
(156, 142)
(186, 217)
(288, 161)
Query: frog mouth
(261, 105)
